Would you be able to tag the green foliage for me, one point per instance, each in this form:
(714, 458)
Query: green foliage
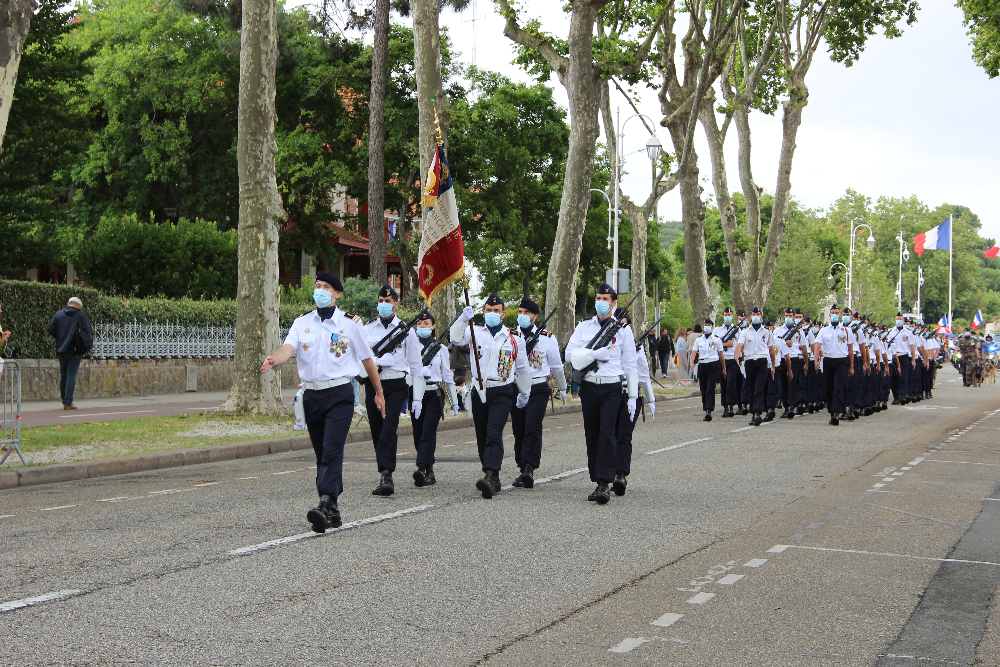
(800, 278)
(982, 18)
(133, 258)
(29, 307)
(854, 21)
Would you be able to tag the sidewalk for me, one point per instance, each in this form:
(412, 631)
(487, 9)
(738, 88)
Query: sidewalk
(51, 413)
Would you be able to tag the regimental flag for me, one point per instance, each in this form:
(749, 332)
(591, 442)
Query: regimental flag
(441, 258)
(992, 252)
(978, 320)
(944, 324)
(938, 238)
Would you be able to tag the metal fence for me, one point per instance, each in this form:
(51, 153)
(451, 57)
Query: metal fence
(11, 385)
(164, 341)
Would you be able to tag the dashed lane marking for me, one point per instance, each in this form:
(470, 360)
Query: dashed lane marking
(38, 599)
(248, 478)
(113, 500)
(629, 644)
(52, 509)
(781, 548)
(700, 598)
(730, 579)
(285, 472)
(667, 620)
(208, 484)
(755, 562)
(683, 444)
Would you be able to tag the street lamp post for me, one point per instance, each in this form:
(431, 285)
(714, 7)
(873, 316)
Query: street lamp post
(608, 199)
(850, 270)
(920, 283)
(904, 255)
(653, 148)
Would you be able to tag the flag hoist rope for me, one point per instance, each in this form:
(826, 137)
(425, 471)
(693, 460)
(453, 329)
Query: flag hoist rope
(474, 349)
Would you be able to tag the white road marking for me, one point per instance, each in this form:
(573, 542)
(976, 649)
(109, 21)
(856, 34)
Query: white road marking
(445, 446)
(755, 562)
(286, 472)
(700, 598)
(167, 492)
(629, 644)
(778, 548)
(102, 414)
(113, 500)
(562, 475)
(683, 444)
(6, 516)
(745, 428)
(347, 526)
(968, 463)
(888, 555)
(730, 579)
(889, 479)
(878, 486)
(61, 507)
(667, 620)
(249, 478)
(27, 602)
(208, 484)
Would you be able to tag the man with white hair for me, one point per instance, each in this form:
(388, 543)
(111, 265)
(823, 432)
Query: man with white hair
(74, 338)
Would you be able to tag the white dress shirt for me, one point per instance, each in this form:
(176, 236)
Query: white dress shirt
(544, 358)
(327, 350)
(623, 359)
(790, 347)
(405, 358)
(901, 342)
(439, 367)
(756, 342)
(834, 339)
(721, 331)
(501, 357)
(708, 347)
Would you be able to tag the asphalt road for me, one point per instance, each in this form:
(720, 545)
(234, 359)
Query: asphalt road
(794, 543)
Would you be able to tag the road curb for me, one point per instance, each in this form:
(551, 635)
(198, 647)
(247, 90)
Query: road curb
(120, 465)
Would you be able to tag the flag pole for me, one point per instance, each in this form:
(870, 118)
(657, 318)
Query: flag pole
(951, 254)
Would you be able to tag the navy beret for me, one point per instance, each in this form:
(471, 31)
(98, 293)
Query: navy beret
(333, 280)
(494, 300)
(605, 288)
(388, 291)
(529, 305)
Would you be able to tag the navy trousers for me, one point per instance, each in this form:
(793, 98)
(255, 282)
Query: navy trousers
(328, 417)
(835, 371)
(626, 426)
(383, 430)
(601, 405)
(526, 423)
(425, 427)
(490, 419)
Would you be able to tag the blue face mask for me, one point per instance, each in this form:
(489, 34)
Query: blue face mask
(708, 329)
(423, 332)
(755, 319)
(322, 298)
(728, 319)
(384, 309)
(524, 321)
(492, 319)
(789, 320)
(815, 330)
(846, 319)
(834, 319)
(602, 307)
(899, 323)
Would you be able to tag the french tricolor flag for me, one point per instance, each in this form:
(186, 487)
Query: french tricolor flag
(938, 238)
(977, 321)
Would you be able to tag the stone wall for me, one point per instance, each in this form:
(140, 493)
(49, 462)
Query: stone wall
(102, 378)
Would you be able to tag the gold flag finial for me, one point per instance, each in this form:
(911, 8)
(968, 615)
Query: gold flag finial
(437, 123)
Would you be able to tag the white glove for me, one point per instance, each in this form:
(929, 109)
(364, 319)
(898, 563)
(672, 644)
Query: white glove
(602, 354)
(427, 373)
(454, 411)
(631, 409)
(467, 314)
(562, 395)
(522, 400)
(652, 411)
(417, 407)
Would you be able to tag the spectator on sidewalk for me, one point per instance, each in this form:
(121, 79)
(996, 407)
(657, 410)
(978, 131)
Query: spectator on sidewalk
(665, 350)
(64, 327)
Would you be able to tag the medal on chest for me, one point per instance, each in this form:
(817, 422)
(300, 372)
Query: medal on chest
(535, 360)
(338, 343)
(505, 363)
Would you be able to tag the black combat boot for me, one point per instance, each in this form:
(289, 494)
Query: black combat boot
(835, 419)
(601, 494)
(325, 515)
(708, 416)
(526, 480)
(769, 417)
(486, 484)
(385, 486)
(786, 414)
(423, 476)
(620, 483)
(744, 409)
(727, 412)
(756, 419)
(849, 413)
(800, 409)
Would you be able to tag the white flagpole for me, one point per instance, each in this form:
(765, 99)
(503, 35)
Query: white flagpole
(951, 253)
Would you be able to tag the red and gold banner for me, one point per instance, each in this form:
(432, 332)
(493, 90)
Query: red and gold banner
(441, 258)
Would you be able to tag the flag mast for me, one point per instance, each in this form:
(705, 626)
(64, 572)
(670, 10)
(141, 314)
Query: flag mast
(951, 254)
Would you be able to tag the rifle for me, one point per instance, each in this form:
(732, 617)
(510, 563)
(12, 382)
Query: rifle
(791, 332)
(731, 334)
(433, 348)
(642, 339)
(532, 339)
(394, 338)
(603, 338)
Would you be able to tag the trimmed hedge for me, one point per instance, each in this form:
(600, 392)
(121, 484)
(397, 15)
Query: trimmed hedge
(28, 308)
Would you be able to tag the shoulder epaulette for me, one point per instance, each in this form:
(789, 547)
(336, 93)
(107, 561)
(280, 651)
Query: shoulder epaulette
(353, 317)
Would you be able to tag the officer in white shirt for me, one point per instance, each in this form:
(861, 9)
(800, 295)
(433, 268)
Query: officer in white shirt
(436, 374)
(853, 391)
(870, 359)
(709, 355)
(793, 354)
(329, 345)
(732, 380)
(834, 351)
(526, 422)
(504, 363)
(884, 374)
(756, 347)
(901, 350)
(626, 423)
(398, 365)
(601, 388)
(917, 376)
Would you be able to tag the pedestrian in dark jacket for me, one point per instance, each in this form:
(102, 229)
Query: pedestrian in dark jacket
(665, 350)
(63, 328)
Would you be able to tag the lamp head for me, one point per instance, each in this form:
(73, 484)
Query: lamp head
(653, 148)
(871, 242)
(906, 255)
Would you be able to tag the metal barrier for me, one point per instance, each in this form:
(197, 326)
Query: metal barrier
(163, 341)
(11, 384)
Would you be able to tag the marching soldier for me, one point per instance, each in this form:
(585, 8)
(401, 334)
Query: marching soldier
(732, 380)
(773, 381)
(969, 350)
(792, 346)
(917, 376)
(900, 349)
(746, 391)
(756, 347)
(526, 422)
(626, 424)
(395, 367)
(708, 354)
(503, 362)
(601, 388)
(834, 353)
(852, 393)
(329, 345)
(436, 371)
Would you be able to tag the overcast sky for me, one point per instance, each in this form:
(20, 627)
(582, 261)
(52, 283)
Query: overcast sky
(913, 116)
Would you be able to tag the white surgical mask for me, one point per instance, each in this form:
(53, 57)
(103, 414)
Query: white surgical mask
(384, 309)
(728, 319)
(755, 319)
(602, 307)
(834, 319)
(789, 320)
(492, 319)
(423, 332)
(322, 298)
(708, 329)
(524, 321)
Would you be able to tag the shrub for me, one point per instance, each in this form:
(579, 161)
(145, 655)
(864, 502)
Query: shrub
(143, 259)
